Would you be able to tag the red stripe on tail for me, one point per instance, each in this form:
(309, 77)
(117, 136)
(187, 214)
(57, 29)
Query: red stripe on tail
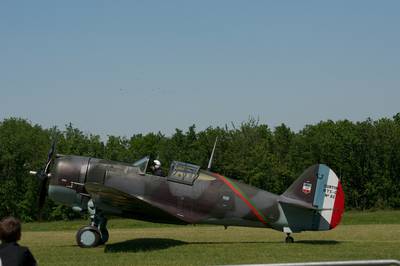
(338, 207)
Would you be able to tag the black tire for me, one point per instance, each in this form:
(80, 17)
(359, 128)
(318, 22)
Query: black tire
(104, 236)
(289, 239)
(88, 237)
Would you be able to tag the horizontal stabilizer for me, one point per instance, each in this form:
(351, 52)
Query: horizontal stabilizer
(297, 203)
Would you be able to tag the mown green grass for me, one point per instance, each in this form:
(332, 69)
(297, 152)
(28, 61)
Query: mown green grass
(369, 235)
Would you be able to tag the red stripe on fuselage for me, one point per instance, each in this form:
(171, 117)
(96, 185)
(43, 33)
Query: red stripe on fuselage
(239, 194)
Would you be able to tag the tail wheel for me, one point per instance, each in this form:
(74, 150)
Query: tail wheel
(88, 237)
(289, 239)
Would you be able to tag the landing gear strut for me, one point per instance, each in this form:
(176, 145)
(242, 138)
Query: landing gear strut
(96, 233)
(289, 239)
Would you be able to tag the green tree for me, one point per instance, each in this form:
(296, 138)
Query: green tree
(23, 148)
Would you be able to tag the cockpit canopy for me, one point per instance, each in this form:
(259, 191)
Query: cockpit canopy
(185, 173)
(179, 172)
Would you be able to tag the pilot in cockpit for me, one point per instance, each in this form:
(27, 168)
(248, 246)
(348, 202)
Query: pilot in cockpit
(156, 168)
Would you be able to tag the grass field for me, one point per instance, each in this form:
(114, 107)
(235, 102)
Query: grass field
(362, 235)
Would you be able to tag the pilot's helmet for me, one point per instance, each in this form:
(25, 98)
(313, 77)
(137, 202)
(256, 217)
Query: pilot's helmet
(157, 164)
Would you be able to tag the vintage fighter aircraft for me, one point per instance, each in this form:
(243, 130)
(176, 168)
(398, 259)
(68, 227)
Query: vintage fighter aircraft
(186, 195)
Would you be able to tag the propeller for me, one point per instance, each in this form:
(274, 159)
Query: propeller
(43, 176)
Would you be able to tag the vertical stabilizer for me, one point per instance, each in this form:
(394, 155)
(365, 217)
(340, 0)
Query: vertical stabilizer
(320, 190)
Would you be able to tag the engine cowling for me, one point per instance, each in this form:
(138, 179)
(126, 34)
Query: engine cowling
(67, 181)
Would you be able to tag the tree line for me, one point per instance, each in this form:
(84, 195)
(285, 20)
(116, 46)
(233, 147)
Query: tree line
(365, 155)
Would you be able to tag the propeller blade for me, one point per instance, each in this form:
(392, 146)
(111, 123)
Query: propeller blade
(50, 157)
(42, 194)
(43, 177)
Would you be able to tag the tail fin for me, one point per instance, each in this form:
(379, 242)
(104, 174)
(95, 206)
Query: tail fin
(317, 189)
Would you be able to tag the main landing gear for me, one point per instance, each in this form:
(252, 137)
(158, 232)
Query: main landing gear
(94, 234)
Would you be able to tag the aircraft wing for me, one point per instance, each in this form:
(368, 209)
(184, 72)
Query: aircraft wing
(114, 201)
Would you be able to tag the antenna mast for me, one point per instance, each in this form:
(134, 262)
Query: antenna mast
(212, 155)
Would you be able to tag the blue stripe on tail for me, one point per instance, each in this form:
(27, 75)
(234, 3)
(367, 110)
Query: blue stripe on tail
(322, 180)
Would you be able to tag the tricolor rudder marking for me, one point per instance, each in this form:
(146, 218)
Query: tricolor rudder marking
(329, 198)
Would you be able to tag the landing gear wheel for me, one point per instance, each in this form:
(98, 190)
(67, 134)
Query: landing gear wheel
(289, 239)
(88, 237)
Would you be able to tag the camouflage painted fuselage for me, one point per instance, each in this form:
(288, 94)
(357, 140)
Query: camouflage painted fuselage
(120, 189)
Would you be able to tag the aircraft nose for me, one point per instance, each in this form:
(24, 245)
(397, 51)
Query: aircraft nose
(69, 170)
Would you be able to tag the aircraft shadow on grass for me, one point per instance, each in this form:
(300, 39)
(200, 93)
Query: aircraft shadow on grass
(152, 244)
(143, 244)
(318, 242)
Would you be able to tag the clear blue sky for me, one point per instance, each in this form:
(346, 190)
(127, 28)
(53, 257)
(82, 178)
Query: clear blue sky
(127, 67)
